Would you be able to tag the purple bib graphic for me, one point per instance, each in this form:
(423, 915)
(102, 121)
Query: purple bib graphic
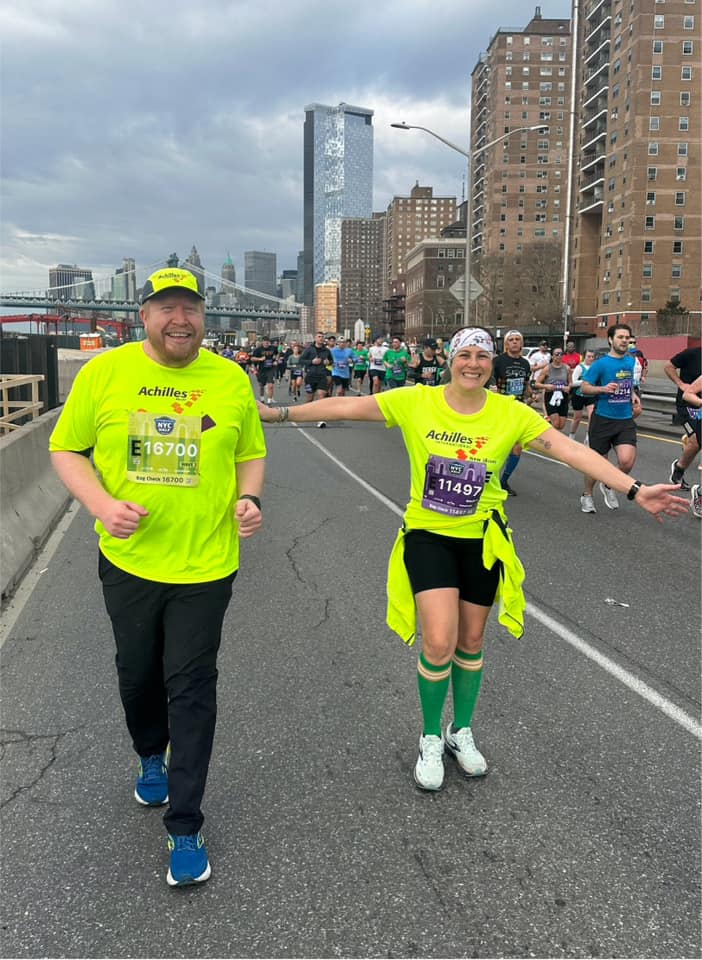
(452, 486)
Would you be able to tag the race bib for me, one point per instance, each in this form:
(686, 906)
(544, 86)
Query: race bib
(515, 387)
(693, 413)
(453, 487)
(398, 372)
(164, 449)
(623, 392)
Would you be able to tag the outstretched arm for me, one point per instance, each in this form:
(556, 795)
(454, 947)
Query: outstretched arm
(657, 499)
(329, 408)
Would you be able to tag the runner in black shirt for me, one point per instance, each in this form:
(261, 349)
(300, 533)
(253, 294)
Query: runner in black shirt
(512, 375)
(264, 359)
(427, 365)
(683, 369)
(315, 359)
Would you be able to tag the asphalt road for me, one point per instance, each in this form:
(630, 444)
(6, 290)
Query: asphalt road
(583, 840)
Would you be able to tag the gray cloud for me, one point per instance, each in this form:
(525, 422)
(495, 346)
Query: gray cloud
(136, 130)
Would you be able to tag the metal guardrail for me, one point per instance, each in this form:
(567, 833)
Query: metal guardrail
(19, 409)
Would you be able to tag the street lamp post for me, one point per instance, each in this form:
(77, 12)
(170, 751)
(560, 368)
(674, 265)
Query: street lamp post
(470, 156)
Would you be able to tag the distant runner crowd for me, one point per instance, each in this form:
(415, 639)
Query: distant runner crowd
(549, 379)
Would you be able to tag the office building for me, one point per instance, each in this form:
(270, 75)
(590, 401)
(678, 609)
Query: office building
(194, 264)
(260, 272)
(338, 183)
(409, 220)
(518, 192)
(71, 282)
(326, 307)
(300, 286)
(637, 193)
(228, 273)
(434, 287)
(361, 285)
(287, 287)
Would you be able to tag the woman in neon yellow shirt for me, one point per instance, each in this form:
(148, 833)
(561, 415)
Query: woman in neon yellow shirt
(454, 555)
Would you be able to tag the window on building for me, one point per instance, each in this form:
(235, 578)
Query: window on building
(654, 123)
(683, 123)
(680, 198)
(655, 98)
(649, 246)
(647, 272)
(678, 223)
(656, 72)
(685, 98)
(681, 173)
(659, 21)
(688, 48)
(682, 149)
(688, 23)
(650, 223)
(686, 73)
(652, 173)
(645, 294)
(657, 46)
(653, 148)
(676, 271)
(677, 248)
(651, 197)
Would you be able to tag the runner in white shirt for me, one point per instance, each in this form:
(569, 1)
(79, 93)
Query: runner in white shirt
(376, 370)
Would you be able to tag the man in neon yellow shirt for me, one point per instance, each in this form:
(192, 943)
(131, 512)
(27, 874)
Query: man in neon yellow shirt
(177, 471)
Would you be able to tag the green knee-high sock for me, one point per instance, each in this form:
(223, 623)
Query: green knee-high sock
(433, 685)
(466, 677)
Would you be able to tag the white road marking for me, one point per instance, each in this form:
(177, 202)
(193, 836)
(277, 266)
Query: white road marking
(609, 666)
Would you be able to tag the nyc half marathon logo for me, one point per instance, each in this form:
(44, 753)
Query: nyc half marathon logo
(164, 426)
(459, 441)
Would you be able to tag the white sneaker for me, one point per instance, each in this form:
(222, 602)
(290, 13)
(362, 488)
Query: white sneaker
(462, 748)
(610, 497)
(587, 504)
(696, 500)
(429, 769)
(322, 423)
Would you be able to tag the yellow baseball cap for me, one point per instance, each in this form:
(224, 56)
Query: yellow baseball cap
(168, 279)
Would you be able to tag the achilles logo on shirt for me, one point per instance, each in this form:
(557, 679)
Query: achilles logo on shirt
(163, 392)
(474, 444)
(451, 438)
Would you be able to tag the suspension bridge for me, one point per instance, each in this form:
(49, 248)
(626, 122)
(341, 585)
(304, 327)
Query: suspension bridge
(93, 302)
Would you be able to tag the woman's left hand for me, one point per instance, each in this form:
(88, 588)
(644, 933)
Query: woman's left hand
(659, 499)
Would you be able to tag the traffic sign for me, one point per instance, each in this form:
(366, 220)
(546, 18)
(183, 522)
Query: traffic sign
(458, 289)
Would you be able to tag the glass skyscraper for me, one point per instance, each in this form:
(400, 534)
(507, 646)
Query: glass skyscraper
(338, 183)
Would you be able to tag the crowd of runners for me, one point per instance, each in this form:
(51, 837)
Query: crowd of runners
(555, 381)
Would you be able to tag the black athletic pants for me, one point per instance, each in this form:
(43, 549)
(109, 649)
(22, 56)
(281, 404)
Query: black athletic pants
(167, 638)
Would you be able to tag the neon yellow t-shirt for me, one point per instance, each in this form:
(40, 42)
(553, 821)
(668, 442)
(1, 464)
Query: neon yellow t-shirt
(167, 438)
(456, 459)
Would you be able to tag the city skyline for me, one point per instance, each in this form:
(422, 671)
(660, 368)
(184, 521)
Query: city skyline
(156, 158)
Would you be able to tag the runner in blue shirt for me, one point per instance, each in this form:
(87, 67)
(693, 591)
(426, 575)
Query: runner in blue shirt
(611, 380)
(342, 356)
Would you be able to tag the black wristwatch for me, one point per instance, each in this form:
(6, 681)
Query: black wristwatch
(634, 489)
(257, 501)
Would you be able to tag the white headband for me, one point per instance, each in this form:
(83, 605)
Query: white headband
(470, 337)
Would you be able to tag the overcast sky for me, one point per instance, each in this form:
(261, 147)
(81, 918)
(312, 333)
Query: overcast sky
(134, 129)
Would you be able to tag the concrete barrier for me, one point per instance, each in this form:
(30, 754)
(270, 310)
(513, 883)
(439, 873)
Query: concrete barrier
(32, 498)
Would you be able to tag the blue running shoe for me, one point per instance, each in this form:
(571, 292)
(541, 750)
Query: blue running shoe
(151, 788)
(189, 863)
